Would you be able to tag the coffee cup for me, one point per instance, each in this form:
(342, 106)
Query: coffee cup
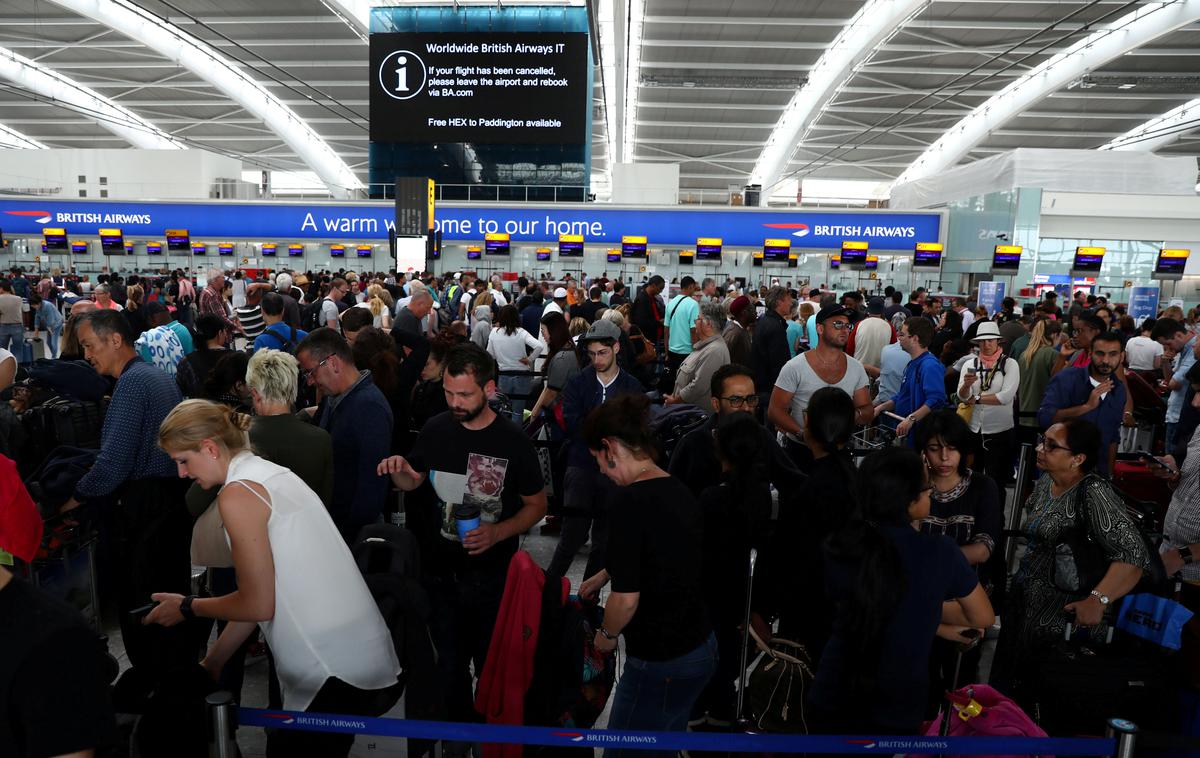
(466, 518)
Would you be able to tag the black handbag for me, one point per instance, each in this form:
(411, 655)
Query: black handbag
(778, 686)
(1079, 560)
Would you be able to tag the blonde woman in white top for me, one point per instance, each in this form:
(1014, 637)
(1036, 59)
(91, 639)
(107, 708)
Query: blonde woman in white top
(988, 384)
(379, 307)
(297, 581)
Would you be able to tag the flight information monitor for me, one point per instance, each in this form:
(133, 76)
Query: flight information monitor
(927, 255)
(79, 247)
(55, 240)
(337, 251)
(1171, 263)
(1006, 258)
(496, 244)
(854, 253)
(269, 249)
(474, 253)
(633, 247)
(295, 251)
(614, 256)
(111, 241)
(872, 262)
(198, 248)
(153, 248)
(708, 249)
(365, 251)
(687, 257)
(1088, 261)
(225, 248)
(776, 250)
(570, 246)
(835, 260)
(543, 253)
(177, 240)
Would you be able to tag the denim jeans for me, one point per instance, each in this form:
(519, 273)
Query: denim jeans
(52, 336)
(659, 695)
(1172, 428)
(11, 337)
(517, 389)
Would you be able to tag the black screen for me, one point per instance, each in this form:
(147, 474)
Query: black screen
(56, 242)
(153, 248)
(295, 251)
(708, 252)
(775, 253)
(633, 249)
(268, 251)
(198, 249)
(178, 240)
(1006, 261)
(1088, 262)
(112, 243)
(613, 257)
(852, 255)
(337, 251)
(224, 249)
(474, 253)
(927, 258)
(365, 251)
(496, 247)
(543, 255)
(570, 249)
(1170, 264)
(480, 87)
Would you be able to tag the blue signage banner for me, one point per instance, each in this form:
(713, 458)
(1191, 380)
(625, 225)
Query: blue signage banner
(1143, 303)
(991, 296)
(345, 221)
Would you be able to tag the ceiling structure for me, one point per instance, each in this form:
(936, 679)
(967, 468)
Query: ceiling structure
(702, 83)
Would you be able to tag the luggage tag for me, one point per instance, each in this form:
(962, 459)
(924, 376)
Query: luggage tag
(966, 707)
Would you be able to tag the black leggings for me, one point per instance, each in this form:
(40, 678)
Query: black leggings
(335, 696)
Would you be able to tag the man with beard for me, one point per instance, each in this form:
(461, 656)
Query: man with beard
(485, 473)
(585, 488)
(359, 419)
(1093, 393)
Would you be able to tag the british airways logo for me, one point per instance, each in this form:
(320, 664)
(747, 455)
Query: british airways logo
(801, 230)
(42, 217)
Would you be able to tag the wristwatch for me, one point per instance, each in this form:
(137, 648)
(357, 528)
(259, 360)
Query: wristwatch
(185, 608)
(1104, 599)
(1185, 554)
(605, 634)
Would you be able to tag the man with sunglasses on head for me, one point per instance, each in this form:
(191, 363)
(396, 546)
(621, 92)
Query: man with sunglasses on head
(585, 488)
(694, 461)
(826, 365)
(1092, 392)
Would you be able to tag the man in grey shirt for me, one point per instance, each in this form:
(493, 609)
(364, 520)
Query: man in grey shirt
(408, 317)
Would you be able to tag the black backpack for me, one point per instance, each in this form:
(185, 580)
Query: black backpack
(287, 345)
(310, 315)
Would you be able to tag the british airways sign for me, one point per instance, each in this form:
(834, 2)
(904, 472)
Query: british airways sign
(739, 227)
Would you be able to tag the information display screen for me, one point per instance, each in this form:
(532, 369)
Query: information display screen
(927, 255)
(198, 248)
(481, 87)
(337, 251)
(55, 240)
(474, 253)
(1006, 258)
(1088, 260)
(129, 248)
(153, 248)
(295, 251)
(633, 247)
(776, 249)
(269, 249)
(613, 256)
(177, 239)
(872, 262)
(1171, 261)
(365, 251)
(854, 253)
(570, 246)
(496, 244)
(111, 241)
(708, 249)
(835, 261)
(79, 247)
(543, 253)
(225, 248)
(686, 257)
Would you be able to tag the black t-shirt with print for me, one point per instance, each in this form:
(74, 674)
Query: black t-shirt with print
(654, 546)
(53, 697)
(492, 467)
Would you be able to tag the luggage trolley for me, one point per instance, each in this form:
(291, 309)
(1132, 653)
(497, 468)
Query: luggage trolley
(871, 438)
(65, 567)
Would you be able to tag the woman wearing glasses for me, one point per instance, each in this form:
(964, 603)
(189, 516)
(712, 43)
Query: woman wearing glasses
(1066, 498)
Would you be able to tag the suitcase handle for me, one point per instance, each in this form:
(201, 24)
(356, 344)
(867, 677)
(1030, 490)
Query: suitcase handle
(779, 654)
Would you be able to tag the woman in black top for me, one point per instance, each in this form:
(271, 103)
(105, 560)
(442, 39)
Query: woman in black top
(654, 563)
(193, 370)
(949, 329)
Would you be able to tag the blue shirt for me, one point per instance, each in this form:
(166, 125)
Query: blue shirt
(924, 384)
(892, 362)
(129, 447)
(679, 318)
(795, 330)
(1183, 363)
(47, 317)
(277, 336)
(1071, 387)
(813, 339)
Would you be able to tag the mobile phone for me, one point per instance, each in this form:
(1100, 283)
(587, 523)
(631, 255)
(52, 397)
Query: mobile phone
(969, 633)
(143, 610)
(1154, 459)
(972, 370)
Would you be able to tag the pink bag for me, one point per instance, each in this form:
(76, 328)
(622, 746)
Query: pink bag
(980, 711)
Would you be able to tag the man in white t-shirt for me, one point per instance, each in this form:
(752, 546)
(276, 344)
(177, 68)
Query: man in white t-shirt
(826, 365)
(1142, 352)
(558, 304)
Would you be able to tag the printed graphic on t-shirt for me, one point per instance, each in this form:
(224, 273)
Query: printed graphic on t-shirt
(482, 486)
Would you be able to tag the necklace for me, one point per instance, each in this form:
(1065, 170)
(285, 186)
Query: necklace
(638, 477)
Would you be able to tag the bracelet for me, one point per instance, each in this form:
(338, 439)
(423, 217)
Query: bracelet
(606, 635)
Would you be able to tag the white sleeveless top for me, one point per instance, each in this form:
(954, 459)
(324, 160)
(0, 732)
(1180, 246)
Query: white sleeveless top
(326, 622)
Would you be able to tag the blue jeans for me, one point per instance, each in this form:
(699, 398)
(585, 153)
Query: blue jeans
(11, 337)
(517, 389)
(1172, 427)
(659, 695)
(52, 336)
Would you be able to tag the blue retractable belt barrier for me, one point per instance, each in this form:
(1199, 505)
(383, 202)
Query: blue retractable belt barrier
(699, 741)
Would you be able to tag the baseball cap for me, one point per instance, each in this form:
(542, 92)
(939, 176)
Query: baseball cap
(601, 329)
(20, 522)
(875, 305)
(739, 304)
(831, 311)
(560, 293)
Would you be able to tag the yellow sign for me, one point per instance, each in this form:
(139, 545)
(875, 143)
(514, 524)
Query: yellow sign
(544, 250)
(758, 253)
(474, 248)
(633, 240)
(874, 275)
(48, 232)
(836, 257)
(929, 247)
(687, 253)
(708, 241)
(1009, 249)
(1174, 253)
(432, 195)
(872, 259)
(495, 237)
(110, 232)
(1089, 251)
(777, 243)
(793, 256)
(849, 245)
(570, 238)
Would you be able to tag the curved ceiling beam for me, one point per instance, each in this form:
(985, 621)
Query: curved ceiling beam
(11, 138)
(355, 14)
(58, 89)
(874, 23)
(1160, 130)
(1131, 31)
(193, 54)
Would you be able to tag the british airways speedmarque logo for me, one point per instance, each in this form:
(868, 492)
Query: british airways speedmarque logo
(43, 217)
(801, 230)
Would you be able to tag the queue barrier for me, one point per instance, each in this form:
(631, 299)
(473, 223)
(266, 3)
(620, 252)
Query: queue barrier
(225, 716)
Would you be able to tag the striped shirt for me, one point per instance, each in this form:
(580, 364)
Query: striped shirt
(1182, 524)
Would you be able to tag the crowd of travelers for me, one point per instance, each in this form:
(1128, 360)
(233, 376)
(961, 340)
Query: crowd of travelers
(863, 448)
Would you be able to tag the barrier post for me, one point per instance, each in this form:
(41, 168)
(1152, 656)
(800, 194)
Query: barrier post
(742, 678)
(221, 740)
(1125, 733)
(1024, 462)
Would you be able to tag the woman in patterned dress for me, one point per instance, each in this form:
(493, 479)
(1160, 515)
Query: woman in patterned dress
(1037, 612)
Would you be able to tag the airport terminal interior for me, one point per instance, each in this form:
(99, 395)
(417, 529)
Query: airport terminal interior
(659, 375)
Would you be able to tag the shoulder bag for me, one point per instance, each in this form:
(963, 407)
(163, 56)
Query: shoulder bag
(1079, 560)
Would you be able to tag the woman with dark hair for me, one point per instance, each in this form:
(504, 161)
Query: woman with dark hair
(893, 587)
(375, 351)
(226, 382)
(515, 351)
(949, 329)
(965, 506)
(193, 370)
(428, 397)
(1068, 498)
(654, 562)
(561, 366)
